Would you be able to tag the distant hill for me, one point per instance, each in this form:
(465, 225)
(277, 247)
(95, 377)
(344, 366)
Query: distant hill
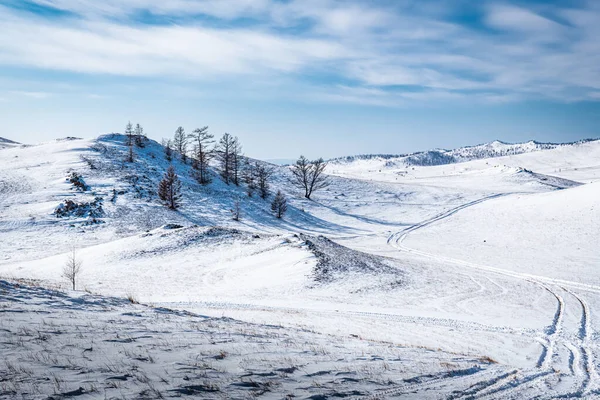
(462, 154)
(6, 143)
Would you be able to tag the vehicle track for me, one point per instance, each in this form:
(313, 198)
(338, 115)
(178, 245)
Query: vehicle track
(553, 330)
(396, 240)
(440, 216)
(583, 352)
(587, 356)
(433, 384)
(427, 321)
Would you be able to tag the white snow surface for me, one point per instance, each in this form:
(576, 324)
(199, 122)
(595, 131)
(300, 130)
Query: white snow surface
(469, 280)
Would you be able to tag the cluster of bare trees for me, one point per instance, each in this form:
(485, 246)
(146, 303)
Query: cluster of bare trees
(257, 176)
(228, 152)
(200, 147)
(135, 136)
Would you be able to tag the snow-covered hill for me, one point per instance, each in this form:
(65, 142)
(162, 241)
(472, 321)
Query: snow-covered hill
(551, 234)
(388, 253)
(462, 154)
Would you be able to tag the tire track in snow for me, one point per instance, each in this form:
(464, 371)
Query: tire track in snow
(553, 331)
(396, 239)
(428, 321)
(587, 356)
(509, 384)
(441, 216)
(484, 385)
(574, 359)
(433, 384)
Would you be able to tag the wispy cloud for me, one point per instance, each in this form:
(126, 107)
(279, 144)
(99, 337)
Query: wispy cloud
(32, 95)
(374, 49)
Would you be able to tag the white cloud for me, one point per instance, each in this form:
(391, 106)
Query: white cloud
(509, 17)
(106, 47)
(116, 8)
(530, 56)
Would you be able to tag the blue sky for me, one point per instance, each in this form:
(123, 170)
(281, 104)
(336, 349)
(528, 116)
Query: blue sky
(318, 77)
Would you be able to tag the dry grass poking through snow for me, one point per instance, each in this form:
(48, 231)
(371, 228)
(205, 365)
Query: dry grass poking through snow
(56, 345)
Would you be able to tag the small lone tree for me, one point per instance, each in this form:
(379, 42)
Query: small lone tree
(72, 268)
(169, 189)
(236, 211)
(308, 175)
(279, 205)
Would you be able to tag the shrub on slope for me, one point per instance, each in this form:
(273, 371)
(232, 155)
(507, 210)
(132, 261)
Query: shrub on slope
(338, 263)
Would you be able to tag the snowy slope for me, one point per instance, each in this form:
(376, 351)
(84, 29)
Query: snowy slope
(550, 234)
(402, 261)
(57, 345)
(34, 181)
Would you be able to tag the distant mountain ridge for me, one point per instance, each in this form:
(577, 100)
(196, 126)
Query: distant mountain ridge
(433, 157)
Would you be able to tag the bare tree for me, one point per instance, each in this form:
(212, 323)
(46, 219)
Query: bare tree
(169, 189)
(236, 211)
(223, 151)
(130, 157)
(72, 268)
(180, 141)
(279, 205)
(317, 180)
(166, 143)
(194, 158)
(249, 178)
(236, 161)
(256, 176)
(308, 175)
(263, 173)
(202, 155)
(129, 133)
(300, 174)
(140, 136)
